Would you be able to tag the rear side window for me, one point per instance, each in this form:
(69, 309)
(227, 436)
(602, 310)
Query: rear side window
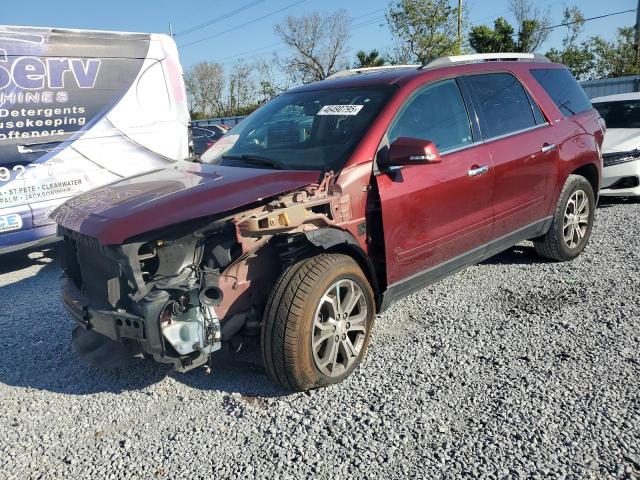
(504, 105)
(438, 114)
(563, 90)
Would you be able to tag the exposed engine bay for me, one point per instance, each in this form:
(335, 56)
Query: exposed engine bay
(176, 294)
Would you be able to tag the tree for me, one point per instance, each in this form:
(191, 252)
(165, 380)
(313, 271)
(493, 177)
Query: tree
(428, 28)
(242, 88)
(533, 25)
(371, 59)
(318, 45)
(499, 39)
(398, 54)
(615, 58)
(577, 57)
(533, 30)
(204, 83)
(269, 83)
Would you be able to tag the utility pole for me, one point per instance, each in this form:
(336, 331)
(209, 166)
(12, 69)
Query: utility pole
(460, 26)
(171, 28)
(636, 43)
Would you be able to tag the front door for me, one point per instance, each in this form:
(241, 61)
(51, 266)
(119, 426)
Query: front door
(433, 213)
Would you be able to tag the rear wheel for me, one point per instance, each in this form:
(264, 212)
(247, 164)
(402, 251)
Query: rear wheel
(572, 222)
(317, 322)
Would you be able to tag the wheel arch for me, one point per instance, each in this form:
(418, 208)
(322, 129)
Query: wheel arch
(591, 173)
(333, 240)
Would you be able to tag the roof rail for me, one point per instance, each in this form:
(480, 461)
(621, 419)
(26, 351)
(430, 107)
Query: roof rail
(356, 71)
(486, 57)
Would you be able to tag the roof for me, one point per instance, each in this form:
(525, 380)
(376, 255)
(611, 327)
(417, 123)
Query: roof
(18, 30)
(402, 74)
(618, 97)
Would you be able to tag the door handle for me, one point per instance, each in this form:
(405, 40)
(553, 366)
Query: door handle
(548, 148)
(474, 172)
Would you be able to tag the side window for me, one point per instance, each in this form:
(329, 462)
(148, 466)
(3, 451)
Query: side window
(563, 90)
(437, 113)
(503, 103)
(536, 110)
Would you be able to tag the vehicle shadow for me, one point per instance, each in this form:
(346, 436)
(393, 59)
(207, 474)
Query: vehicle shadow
(608, 202)
(241, 372)
(23, 259)
(36, 349)
(516, 255)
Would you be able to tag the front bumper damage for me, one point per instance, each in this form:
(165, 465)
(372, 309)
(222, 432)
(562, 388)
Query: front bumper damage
(177, 293)
(140, 330)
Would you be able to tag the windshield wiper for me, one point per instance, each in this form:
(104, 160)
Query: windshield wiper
(256, 160)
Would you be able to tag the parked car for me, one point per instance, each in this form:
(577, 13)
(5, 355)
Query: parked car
(621, 147)
(331, 202)
(204, 137)
(79, 109)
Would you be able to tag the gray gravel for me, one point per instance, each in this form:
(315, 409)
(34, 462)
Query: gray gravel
(516, 368)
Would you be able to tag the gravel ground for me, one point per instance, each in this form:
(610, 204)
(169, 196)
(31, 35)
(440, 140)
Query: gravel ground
(515, 368)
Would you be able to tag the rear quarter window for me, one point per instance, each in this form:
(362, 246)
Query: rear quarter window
(563, 89)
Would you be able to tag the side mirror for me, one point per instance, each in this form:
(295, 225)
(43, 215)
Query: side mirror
(410, 151)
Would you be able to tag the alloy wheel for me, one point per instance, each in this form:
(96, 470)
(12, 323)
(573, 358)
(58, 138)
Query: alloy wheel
(576, 219)
(339, 328)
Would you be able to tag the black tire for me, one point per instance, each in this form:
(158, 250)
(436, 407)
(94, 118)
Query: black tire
(288, 322)
(552, 245)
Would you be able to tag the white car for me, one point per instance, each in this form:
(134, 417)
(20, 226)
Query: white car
(621, 147)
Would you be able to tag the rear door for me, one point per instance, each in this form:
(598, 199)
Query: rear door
(522, 147)
(435, 212)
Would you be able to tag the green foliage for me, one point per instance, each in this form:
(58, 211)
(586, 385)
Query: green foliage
(371, 59)
(577, 58)
(195, 115)
(527, 36)
(483, 39)
(428, 28)
(615, 58)
(501, 38)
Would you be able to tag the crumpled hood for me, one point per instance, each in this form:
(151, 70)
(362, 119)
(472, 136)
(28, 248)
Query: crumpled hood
(181, 192)
(621, 140)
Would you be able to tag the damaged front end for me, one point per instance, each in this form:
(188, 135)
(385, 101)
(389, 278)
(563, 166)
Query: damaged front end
(177, 293)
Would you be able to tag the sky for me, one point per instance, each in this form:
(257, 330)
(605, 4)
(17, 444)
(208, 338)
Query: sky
(249, 33)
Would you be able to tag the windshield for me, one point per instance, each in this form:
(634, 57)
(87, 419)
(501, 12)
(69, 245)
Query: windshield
(621, 114)
(315, 130)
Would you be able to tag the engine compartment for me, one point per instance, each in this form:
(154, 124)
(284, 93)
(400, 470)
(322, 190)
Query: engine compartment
(197, 284)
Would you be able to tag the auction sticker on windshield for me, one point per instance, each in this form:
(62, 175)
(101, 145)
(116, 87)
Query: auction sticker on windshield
(10, 222)
(340, 109)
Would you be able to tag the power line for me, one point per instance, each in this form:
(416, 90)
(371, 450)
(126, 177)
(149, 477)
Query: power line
(370, 13)
(493, 16)
(367, 23)
(291, 5)
(218, 18)
(241, 54)
(254, 50)
(581, 21)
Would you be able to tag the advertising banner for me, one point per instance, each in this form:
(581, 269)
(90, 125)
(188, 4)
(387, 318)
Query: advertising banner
(79, 109)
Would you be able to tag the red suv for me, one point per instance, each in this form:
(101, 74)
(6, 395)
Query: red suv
(329, 203)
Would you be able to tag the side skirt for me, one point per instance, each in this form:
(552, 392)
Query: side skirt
(423, 279)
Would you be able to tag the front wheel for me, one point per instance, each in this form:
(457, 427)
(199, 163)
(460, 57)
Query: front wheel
(317, 322)
(572, 222)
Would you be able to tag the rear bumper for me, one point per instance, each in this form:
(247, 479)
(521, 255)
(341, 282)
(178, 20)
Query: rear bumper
(140, 328)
